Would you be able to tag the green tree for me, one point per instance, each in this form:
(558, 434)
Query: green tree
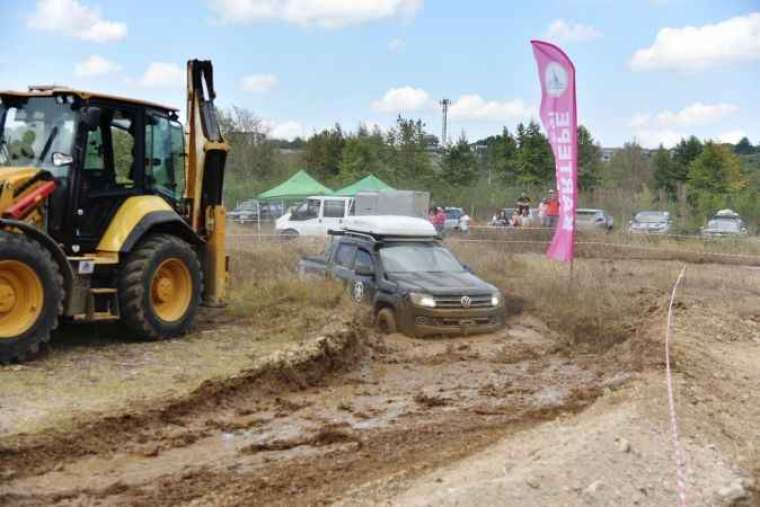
(744, 147)
(499, 162)
(666, 172)
(459, 166)
(535, 161)
(629, 169)
(253, 163)
(716, 171)
(589, 160)
(364, 153)
(322, 154)
(409, 161)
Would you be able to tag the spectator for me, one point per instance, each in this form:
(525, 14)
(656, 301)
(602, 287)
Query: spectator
(523, 204)
(439, 220)
(464, 223)
(516, 220)
(552, 209)
(542, 213)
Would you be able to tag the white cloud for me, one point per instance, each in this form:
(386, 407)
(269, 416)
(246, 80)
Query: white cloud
(163, 75)
(288, 130)
(732, 136)
(71, 18)
(475, 108)
(259, 83)
(95, 66)
(696, 114)
(396, 45)
(567, 31)
(653, 138)
(693, 115)
(697, 48)
(403, 100)
(323, 13)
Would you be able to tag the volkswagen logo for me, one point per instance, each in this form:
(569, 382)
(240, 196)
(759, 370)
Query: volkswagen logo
(466, 301)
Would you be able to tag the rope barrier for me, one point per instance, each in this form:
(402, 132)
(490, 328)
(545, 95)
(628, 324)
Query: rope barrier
(677, 449)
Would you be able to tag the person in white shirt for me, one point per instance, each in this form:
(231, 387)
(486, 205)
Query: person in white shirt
(464, 223)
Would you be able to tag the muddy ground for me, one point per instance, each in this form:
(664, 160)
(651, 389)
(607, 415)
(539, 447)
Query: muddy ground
(526, 416)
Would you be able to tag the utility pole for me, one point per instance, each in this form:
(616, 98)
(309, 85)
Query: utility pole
(444, 130)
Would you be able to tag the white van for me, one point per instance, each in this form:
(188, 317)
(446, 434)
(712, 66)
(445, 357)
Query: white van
(315, 216)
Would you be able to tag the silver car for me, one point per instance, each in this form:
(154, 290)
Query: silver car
(651, 222)
(589, 219)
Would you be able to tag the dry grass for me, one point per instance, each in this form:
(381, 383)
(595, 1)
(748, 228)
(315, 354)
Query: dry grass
(604, 303)
(267, 291)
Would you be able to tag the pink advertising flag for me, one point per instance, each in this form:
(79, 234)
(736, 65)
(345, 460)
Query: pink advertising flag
(558, 115)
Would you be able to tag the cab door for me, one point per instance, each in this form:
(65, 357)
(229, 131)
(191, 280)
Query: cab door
(110, 174)
(363, 281)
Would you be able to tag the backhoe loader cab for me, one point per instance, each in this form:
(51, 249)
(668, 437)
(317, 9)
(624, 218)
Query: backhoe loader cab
(109, 209)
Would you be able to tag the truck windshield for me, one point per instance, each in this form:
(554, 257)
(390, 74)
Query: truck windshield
(32, 130)
(419, 258)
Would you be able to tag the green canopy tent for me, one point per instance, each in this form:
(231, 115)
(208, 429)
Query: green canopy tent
(298, 186)
(369, 183)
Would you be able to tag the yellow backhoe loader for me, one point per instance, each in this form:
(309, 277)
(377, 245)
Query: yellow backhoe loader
(109, 210)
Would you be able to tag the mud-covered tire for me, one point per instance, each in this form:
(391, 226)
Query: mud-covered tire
(19, 250)
(136, 287)
(386, 321)
(289, 234)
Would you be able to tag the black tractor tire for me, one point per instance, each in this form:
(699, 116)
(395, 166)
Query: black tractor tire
(136, 287)
(34, 257)
(386, 321)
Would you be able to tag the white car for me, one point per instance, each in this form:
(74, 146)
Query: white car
(314, 217)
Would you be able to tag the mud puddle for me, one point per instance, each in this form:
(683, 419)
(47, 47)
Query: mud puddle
(406, 405)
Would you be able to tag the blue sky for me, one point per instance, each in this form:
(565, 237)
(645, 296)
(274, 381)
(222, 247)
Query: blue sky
(653, 70)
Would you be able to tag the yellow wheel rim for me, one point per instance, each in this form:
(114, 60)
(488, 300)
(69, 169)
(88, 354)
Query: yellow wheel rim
(171, 290)
(21, 298)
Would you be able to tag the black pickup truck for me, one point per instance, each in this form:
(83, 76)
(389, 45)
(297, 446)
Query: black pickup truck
(414, 284)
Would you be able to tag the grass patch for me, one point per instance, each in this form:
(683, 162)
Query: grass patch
(603, 304)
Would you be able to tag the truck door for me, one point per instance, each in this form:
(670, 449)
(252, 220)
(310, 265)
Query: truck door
(305, 219)
(342, 263)
(363, 284)
(333, 213)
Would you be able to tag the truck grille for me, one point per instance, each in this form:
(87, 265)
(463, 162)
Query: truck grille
(459, 301)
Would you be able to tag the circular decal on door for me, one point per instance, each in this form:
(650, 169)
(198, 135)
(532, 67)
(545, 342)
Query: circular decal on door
(357, 294)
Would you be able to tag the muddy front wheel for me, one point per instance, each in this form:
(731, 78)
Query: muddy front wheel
(386, 321)
(160, 288)
(31, 293)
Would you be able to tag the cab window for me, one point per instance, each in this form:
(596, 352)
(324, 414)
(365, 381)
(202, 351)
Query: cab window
(109, 160)
(344, 256)
(335, 208)
(307, 210)
(164, 157)
(363, 260)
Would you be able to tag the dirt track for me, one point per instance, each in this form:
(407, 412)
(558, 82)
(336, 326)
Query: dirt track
(514, 418)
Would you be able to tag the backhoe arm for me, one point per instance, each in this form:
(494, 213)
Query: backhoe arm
(207, 154)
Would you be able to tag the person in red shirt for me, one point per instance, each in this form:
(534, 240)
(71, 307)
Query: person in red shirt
(439, 220)
(552, 209)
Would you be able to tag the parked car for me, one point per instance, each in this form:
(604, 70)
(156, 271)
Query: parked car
(725, 223)
(651, 222)
(245, 212)
(452, 218)
(588, 219)
(413, 283)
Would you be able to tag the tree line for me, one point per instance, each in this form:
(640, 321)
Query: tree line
(692, 180)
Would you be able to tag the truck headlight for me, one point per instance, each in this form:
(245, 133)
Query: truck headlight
(425, 300)
(495, 299)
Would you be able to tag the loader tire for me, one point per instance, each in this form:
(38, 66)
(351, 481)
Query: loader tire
(31, 297)
(160, 288)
